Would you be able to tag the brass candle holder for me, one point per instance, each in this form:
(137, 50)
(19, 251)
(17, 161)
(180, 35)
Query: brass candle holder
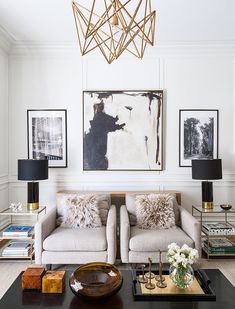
(149, 285)
(160, 279)
(149, 274)
(142, 278)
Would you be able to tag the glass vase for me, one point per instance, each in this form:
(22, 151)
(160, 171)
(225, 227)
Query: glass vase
(181, 276)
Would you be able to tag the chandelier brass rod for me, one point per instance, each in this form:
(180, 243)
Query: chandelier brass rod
(106, 20)
(91, 13)
(85, 21)
(140, 28)
(136, 24)
(112, 45)
(145, 13)
(79, 39)
(145, 44)
(123, 37)
(123, 47)
(102, 18)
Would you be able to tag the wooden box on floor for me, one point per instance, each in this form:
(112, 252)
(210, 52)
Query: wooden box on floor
(32, 278)
(53, 282)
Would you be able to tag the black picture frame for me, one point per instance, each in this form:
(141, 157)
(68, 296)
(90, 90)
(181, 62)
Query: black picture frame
(122, 106)
(205, 125)
(47, 136)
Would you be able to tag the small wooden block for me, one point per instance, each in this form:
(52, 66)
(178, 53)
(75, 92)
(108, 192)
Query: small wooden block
(32, 278)
(53, 282)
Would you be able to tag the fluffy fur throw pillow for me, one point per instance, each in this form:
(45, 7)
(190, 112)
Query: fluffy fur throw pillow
(155, 211)
(81, 211)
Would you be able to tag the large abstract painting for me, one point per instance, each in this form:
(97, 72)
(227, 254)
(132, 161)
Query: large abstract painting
(198, 135)
(122, 130)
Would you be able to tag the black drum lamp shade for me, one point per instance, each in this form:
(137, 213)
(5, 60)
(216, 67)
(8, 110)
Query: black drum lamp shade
(32, 171)
(207, 170)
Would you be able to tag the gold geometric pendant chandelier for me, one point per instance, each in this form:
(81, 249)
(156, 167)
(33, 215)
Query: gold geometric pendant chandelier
(114, 26)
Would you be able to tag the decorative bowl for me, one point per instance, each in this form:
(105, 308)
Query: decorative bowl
(226, 206)
(96, 280)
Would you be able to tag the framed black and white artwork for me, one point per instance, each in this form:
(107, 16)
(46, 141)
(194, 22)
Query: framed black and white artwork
(47, 136)
(198, 135)
(122, 130)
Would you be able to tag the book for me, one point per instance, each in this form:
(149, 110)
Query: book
(15, 253)
(17, 230)
(220, 242)
(219, 250)
(17, 247)
(219, 231)
(217, 226)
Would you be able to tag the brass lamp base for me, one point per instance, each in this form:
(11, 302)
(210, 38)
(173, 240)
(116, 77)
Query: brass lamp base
(207, 205)
(33, 206)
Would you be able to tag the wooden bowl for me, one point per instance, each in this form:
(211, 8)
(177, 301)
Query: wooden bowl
(96, 280)
(225, 206)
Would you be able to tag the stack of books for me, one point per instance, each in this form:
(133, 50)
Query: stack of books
(219, 246)
(17, 231)
(17, 248)
(218, 228)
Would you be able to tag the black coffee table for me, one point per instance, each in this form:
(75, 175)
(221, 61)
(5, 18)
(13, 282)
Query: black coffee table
(15, 298)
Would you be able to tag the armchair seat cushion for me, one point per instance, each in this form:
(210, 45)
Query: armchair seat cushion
(79, 239)
(153, 240)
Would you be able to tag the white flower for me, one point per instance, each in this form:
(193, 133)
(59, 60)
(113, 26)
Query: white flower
(181, 256)
(185, 247)
(173, 247)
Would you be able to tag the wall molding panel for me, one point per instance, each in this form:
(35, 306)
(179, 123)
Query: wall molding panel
(6, 40)
(192, 75)
(198, 48)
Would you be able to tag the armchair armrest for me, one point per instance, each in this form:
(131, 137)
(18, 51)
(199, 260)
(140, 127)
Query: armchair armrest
(192, 227)
(124, 234)
(43, 228)
(111, 234)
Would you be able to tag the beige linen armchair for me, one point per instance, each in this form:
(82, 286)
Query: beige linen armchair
(137, 245)
(59, 245)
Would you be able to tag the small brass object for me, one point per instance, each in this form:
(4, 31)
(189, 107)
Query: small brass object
(142, 278)
(33, 206)
(160, 277)
(225, 206)
(207, 205)
(160, 283)
(148, 275)
(149, 285)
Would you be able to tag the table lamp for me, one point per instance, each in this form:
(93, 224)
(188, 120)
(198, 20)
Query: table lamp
(207, 170)
(33, 170)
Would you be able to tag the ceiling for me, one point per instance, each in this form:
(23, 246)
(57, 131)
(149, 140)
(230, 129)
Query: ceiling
(177, 20)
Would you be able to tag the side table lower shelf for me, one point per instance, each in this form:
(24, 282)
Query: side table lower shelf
(4, 243)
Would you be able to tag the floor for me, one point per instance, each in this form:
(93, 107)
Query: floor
(10, 270)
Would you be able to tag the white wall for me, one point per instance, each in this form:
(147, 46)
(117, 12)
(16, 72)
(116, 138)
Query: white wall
(3, 124)
(192, 76)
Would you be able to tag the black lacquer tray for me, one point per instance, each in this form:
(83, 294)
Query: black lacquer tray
(200, 276)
